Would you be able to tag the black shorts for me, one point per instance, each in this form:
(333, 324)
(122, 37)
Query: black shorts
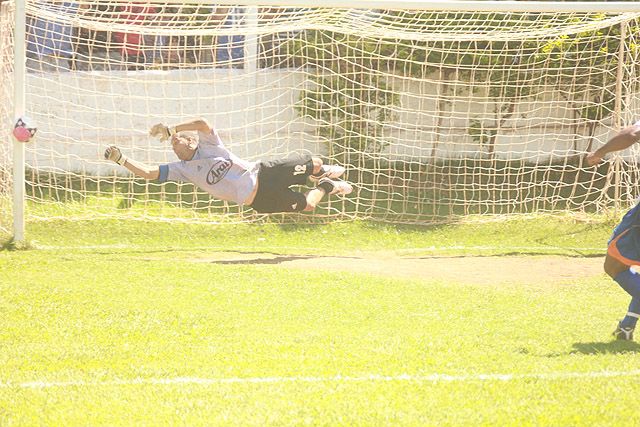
(274, 179)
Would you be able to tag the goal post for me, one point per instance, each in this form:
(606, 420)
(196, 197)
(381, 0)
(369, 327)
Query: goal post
(437, 109)
(19, 104)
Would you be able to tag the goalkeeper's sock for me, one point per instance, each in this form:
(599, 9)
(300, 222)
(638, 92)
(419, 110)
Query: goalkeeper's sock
(629, 320)
(633, 313)
(327, 186)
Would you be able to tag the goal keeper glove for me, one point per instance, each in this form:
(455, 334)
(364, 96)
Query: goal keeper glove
(113, 153)
(162, 132)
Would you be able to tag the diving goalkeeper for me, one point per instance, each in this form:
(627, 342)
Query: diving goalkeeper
(207, 163)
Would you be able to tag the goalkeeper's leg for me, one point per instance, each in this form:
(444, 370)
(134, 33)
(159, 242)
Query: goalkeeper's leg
(326, 186)
(619, 267)
(321, 171)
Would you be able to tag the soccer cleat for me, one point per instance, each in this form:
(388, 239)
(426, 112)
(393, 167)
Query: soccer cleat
(341, 188)
(328, 171)
(623, 333)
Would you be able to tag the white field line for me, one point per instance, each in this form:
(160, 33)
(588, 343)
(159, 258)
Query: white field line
(432, 378)
(401, 251)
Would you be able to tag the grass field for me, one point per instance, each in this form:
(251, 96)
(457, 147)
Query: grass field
(107, 323)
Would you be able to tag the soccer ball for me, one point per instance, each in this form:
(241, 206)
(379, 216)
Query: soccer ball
(24, 129)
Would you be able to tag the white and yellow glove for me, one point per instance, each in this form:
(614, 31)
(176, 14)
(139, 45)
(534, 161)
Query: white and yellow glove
(114, 154)
(162, 131)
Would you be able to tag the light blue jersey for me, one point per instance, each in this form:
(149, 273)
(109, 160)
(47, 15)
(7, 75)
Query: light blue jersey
(215, 170)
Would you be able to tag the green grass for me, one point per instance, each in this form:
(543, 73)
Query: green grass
(560, 234)
(106, 308)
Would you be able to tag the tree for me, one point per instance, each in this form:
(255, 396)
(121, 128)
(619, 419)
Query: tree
(595, 56)
(349, 96)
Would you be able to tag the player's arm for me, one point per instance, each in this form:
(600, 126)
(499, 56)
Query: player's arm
(140, 169)
(624, 139)
(164, 132)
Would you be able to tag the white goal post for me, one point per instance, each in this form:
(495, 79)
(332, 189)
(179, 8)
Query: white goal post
(437, 109)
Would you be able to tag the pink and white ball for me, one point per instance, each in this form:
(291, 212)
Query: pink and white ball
(24, 129)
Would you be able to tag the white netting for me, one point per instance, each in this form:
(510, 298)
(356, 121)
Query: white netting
(6, 113)
(435, 114)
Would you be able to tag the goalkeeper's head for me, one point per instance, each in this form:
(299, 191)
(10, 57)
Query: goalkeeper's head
(184, 145)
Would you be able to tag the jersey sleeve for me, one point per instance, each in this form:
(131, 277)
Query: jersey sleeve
(172, 172)
(210, 138)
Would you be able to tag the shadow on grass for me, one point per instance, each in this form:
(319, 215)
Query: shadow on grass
(595, 348)
(611, 347)
(265, 261)
(10, 244)
(369, 225)
(272, 258)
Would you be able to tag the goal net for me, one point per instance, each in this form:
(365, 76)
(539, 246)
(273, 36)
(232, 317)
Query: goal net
(435, 114)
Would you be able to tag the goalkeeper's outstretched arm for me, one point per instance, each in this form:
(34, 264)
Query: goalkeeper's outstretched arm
(140, 169)
(164, 132)
(624, 139)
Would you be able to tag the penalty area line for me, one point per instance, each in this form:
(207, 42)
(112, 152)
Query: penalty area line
(432, 378)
